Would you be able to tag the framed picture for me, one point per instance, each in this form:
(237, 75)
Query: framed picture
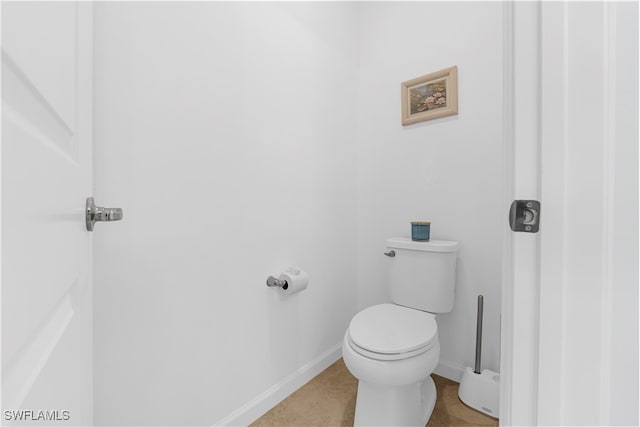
(430, 97)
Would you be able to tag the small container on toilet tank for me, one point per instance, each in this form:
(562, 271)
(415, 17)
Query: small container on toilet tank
(420, 231)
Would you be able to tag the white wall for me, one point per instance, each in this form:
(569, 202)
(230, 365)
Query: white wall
(448, 171)
(225, 132)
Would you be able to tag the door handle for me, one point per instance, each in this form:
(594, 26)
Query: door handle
(97, 213)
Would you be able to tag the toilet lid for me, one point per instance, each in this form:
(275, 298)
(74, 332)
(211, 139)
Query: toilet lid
(393, 329)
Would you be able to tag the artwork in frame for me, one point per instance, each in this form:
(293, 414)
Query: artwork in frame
(430, 97)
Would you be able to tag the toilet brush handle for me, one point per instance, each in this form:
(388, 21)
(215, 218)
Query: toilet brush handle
(479, 334)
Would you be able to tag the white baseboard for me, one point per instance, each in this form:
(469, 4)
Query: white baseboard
(266, 400)
(450, 370)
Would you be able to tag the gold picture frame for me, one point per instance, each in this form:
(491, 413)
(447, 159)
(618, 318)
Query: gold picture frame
(431, 96)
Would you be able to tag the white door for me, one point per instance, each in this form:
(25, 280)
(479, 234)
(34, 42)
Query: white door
(46, 177)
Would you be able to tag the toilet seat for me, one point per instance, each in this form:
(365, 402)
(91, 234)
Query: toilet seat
(392, 332)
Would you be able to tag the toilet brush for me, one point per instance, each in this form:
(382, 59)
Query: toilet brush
(480, 389)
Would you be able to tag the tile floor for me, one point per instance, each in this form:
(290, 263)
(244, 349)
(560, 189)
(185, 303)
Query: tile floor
(330, 398)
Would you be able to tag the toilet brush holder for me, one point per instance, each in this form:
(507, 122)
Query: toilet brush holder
(480, 389)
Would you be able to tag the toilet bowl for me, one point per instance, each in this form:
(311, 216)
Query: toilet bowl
(392, 348)
(392, 351)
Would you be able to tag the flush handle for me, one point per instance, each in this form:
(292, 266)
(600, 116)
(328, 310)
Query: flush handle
(390, 254)
(524, 215)
(97, 213)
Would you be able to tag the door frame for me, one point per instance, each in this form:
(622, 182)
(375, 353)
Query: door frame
(561, 335)
(519, 326)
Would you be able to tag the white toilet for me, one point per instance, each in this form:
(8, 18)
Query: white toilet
(393, 348)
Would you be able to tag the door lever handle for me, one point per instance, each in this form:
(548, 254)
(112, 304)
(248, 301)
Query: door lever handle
(98, 213)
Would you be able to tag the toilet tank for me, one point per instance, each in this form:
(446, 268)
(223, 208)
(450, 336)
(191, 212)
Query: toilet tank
(422, 275)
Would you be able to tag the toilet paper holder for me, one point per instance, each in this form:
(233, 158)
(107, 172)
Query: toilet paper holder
(275, 282)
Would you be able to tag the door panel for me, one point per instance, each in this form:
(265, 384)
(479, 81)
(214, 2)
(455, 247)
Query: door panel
(46, 176)
(40, 37)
